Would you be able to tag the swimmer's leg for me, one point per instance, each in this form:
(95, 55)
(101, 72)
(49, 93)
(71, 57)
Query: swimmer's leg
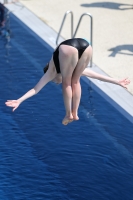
(76, 87)
(68, 57)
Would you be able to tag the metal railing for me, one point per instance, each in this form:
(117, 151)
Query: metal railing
(63, 24)
(73, 35)
(91, 30)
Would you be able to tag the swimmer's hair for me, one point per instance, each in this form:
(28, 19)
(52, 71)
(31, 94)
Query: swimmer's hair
(46, 68)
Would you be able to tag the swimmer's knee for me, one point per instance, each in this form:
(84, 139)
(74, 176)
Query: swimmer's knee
(75, 81)
(66, 80)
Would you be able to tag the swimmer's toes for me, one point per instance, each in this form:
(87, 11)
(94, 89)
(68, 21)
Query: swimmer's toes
(67, 120)
(71, 120)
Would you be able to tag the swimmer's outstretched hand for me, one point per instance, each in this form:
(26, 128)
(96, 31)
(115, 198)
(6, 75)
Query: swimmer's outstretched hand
(124, 82)
(12, 103)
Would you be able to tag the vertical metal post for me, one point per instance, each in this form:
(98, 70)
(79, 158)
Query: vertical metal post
(5, 1)
(91, 30)
(63, 24)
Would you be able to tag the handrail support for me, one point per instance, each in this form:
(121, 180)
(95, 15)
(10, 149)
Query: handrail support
(69, 11)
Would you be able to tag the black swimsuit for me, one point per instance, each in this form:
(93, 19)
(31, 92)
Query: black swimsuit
(79, 43)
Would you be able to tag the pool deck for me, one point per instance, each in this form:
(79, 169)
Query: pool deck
(117, 96)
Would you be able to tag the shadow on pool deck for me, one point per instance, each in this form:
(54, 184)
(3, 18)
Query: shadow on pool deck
(109, 5)
(118, 50)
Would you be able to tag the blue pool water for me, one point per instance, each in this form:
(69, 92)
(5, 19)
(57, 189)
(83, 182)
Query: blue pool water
(91, 159)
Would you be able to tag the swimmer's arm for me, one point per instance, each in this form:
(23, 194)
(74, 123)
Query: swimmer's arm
(88, 72)
(42, 82)
(50, 74)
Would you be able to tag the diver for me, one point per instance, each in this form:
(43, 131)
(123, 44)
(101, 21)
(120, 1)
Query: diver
(68, 63)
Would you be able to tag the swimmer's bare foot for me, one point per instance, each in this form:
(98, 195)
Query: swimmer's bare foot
(75, 117)
(67, 120)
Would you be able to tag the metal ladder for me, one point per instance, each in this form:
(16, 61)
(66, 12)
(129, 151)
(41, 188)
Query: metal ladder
(77, 27)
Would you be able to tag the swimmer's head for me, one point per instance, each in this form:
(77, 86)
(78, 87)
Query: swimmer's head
(57, 79)
(46, 68)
